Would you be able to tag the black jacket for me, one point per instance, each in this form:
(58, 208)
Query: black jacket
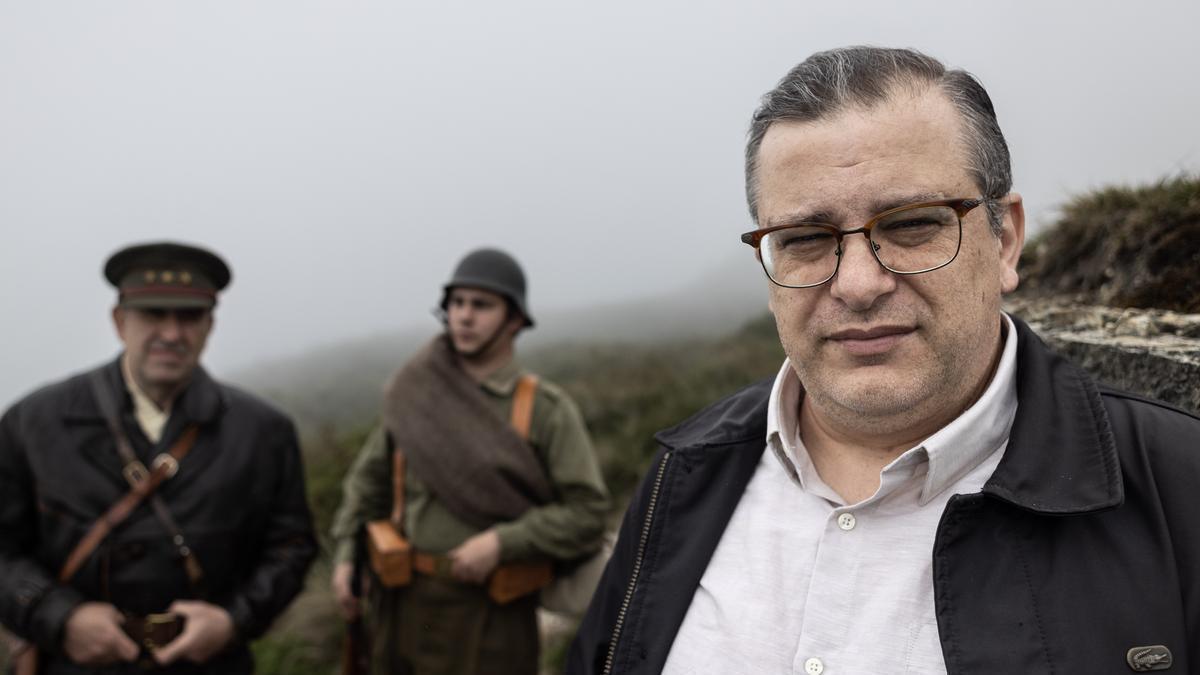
(238, 498)
(1084, 543)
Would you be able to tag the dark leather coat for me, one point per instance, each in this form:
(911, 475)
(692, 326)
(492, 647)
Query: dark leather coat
(238, 498)
(1084, 544)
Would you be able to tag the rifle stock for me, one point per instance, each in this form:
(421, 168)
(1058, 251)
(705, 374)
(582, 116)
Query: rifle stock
(356, 652)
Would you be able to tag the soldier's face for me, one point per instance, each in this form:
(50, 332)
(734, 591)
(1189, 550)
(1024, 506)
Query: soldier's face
(478, 321)
(162, 346)
(870, 345)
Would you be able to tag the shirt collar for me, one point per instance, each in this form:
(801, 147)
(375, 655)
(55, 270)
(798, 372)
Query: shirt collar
(503, 380)
(149, 416)
(949, 454)
(783, 422)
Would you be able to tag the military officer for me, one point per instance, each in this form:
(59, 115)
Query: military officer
(150, 516)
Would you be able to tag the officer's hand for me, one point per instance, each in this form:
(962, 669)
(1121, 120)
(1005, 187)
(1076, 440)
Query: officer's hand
(347, 602)
(206, 631)
(476, 557)
(92, 636)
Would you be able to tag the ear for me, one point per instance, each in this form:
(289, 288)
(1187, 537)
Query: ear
(118, 318)
(515, 324)
(1012, 240)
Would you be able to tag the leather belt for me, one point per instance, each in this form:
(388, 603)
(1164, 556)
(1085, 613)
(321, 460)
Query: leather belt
(432, 565)
(153, 631)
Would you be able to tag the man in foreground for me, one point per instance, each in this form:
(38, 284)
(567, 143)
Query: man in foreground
(150, 517)
(924, 487)
(485, 487)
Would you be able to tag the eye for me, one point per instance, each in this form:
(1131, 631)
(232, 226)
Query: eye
(801, 239)
(189, 315)
(910, 224)
(801, 236)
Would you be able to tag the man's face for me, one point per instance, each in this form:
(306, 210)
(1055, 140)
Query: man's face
(870, 345)
(478, 321)
(162, 346)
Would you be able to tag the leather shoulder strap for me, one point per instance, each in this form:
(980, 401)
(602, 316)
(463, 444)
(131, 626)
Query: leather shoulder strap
(398, 466)
(120, 510)
(139, 478)
(522, 407)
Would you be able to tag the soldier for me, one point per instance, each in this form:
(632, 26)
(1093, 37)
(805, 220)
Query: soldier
(478, 497)
(150, 517)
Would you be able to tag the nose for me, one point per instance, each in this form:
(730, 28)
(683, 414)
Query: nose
(170, 328)
(463, 312)
(860, 280)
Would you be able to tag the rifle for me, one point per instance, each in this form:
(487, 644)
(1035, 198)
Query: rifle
(355, 659)
(356, 648)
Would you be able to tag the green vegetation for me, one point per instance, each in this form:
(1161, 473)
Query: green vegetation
(626, 392)
(629, 392)
(1122, 247)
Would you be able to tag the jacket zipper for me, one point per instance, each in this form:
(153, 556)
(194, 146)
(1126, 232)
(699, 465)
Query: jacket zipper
(637, 567)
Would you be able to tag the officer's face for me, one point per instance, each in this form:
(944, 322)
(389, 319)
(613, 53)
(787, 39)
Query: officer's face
(478, 322)
(886, 351)
(163, 346)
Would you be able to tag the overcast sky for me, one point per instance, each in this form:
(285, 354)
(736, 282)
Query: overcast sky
(343, 155)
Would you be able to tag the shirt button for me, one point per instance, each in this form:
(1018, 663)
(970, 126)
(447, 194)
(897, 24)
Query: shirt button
(814, 666)
(847, 521)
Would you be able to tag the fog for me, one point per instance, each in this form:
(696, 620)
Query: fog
(343, 155)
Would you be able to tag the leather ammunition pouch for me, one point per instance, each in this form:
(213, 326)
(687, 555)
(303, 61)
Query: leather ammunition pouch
(390, 553)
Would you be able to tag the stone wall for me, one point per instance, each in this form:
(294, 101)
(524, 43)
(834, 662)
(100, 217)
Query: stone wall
(1155, 353)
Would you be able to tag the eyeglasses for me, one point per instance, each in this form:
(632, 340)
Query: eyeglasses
(909, 239)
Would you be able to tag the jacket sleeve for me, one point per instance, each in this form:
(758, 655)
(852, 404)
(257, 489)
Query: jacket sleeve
(287, 549)
(573, 525)
(366, 495)
(33, 605)
(590, 648)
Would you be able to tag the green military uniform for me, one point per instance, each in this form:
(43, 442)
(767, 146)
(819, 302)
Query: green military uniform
(442, 626)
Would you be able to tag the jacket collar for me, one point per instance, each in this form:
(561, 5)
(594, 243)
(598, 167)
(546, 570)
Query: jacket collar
(200, 402)
(738, 419)
(1061, 457)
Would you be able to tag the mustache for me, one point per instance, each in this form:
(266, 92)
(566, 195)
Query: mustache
(874, 315)
(842, 320)
(174, 346)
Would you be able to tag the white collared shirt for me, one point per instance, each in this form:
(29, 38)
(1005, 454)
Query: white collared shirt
(149, 416)
(804, 583)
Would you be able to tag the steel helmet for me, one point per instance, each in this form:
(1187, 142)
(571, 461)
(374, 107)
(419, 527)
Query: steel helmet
(492, 270)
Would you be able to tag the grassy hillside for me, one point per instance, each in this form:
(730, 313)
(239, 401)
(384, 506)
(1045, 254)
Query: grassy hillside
(627, 392)
(1122, 247)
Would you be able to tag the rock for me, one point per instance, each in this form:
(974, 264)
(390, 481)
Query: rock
(1135, 323)
(1151, 352)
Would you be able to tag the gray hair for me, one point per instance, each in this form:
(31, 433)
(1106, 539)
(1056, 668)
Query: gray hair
(831, 81)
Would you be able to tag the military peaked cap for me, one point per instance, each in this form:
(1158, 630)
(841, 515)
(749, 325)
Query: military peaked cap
(166, 275)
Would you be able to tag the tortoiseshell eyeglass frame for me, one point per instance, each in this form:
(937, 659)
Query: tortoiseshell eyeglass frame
(960, 206)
